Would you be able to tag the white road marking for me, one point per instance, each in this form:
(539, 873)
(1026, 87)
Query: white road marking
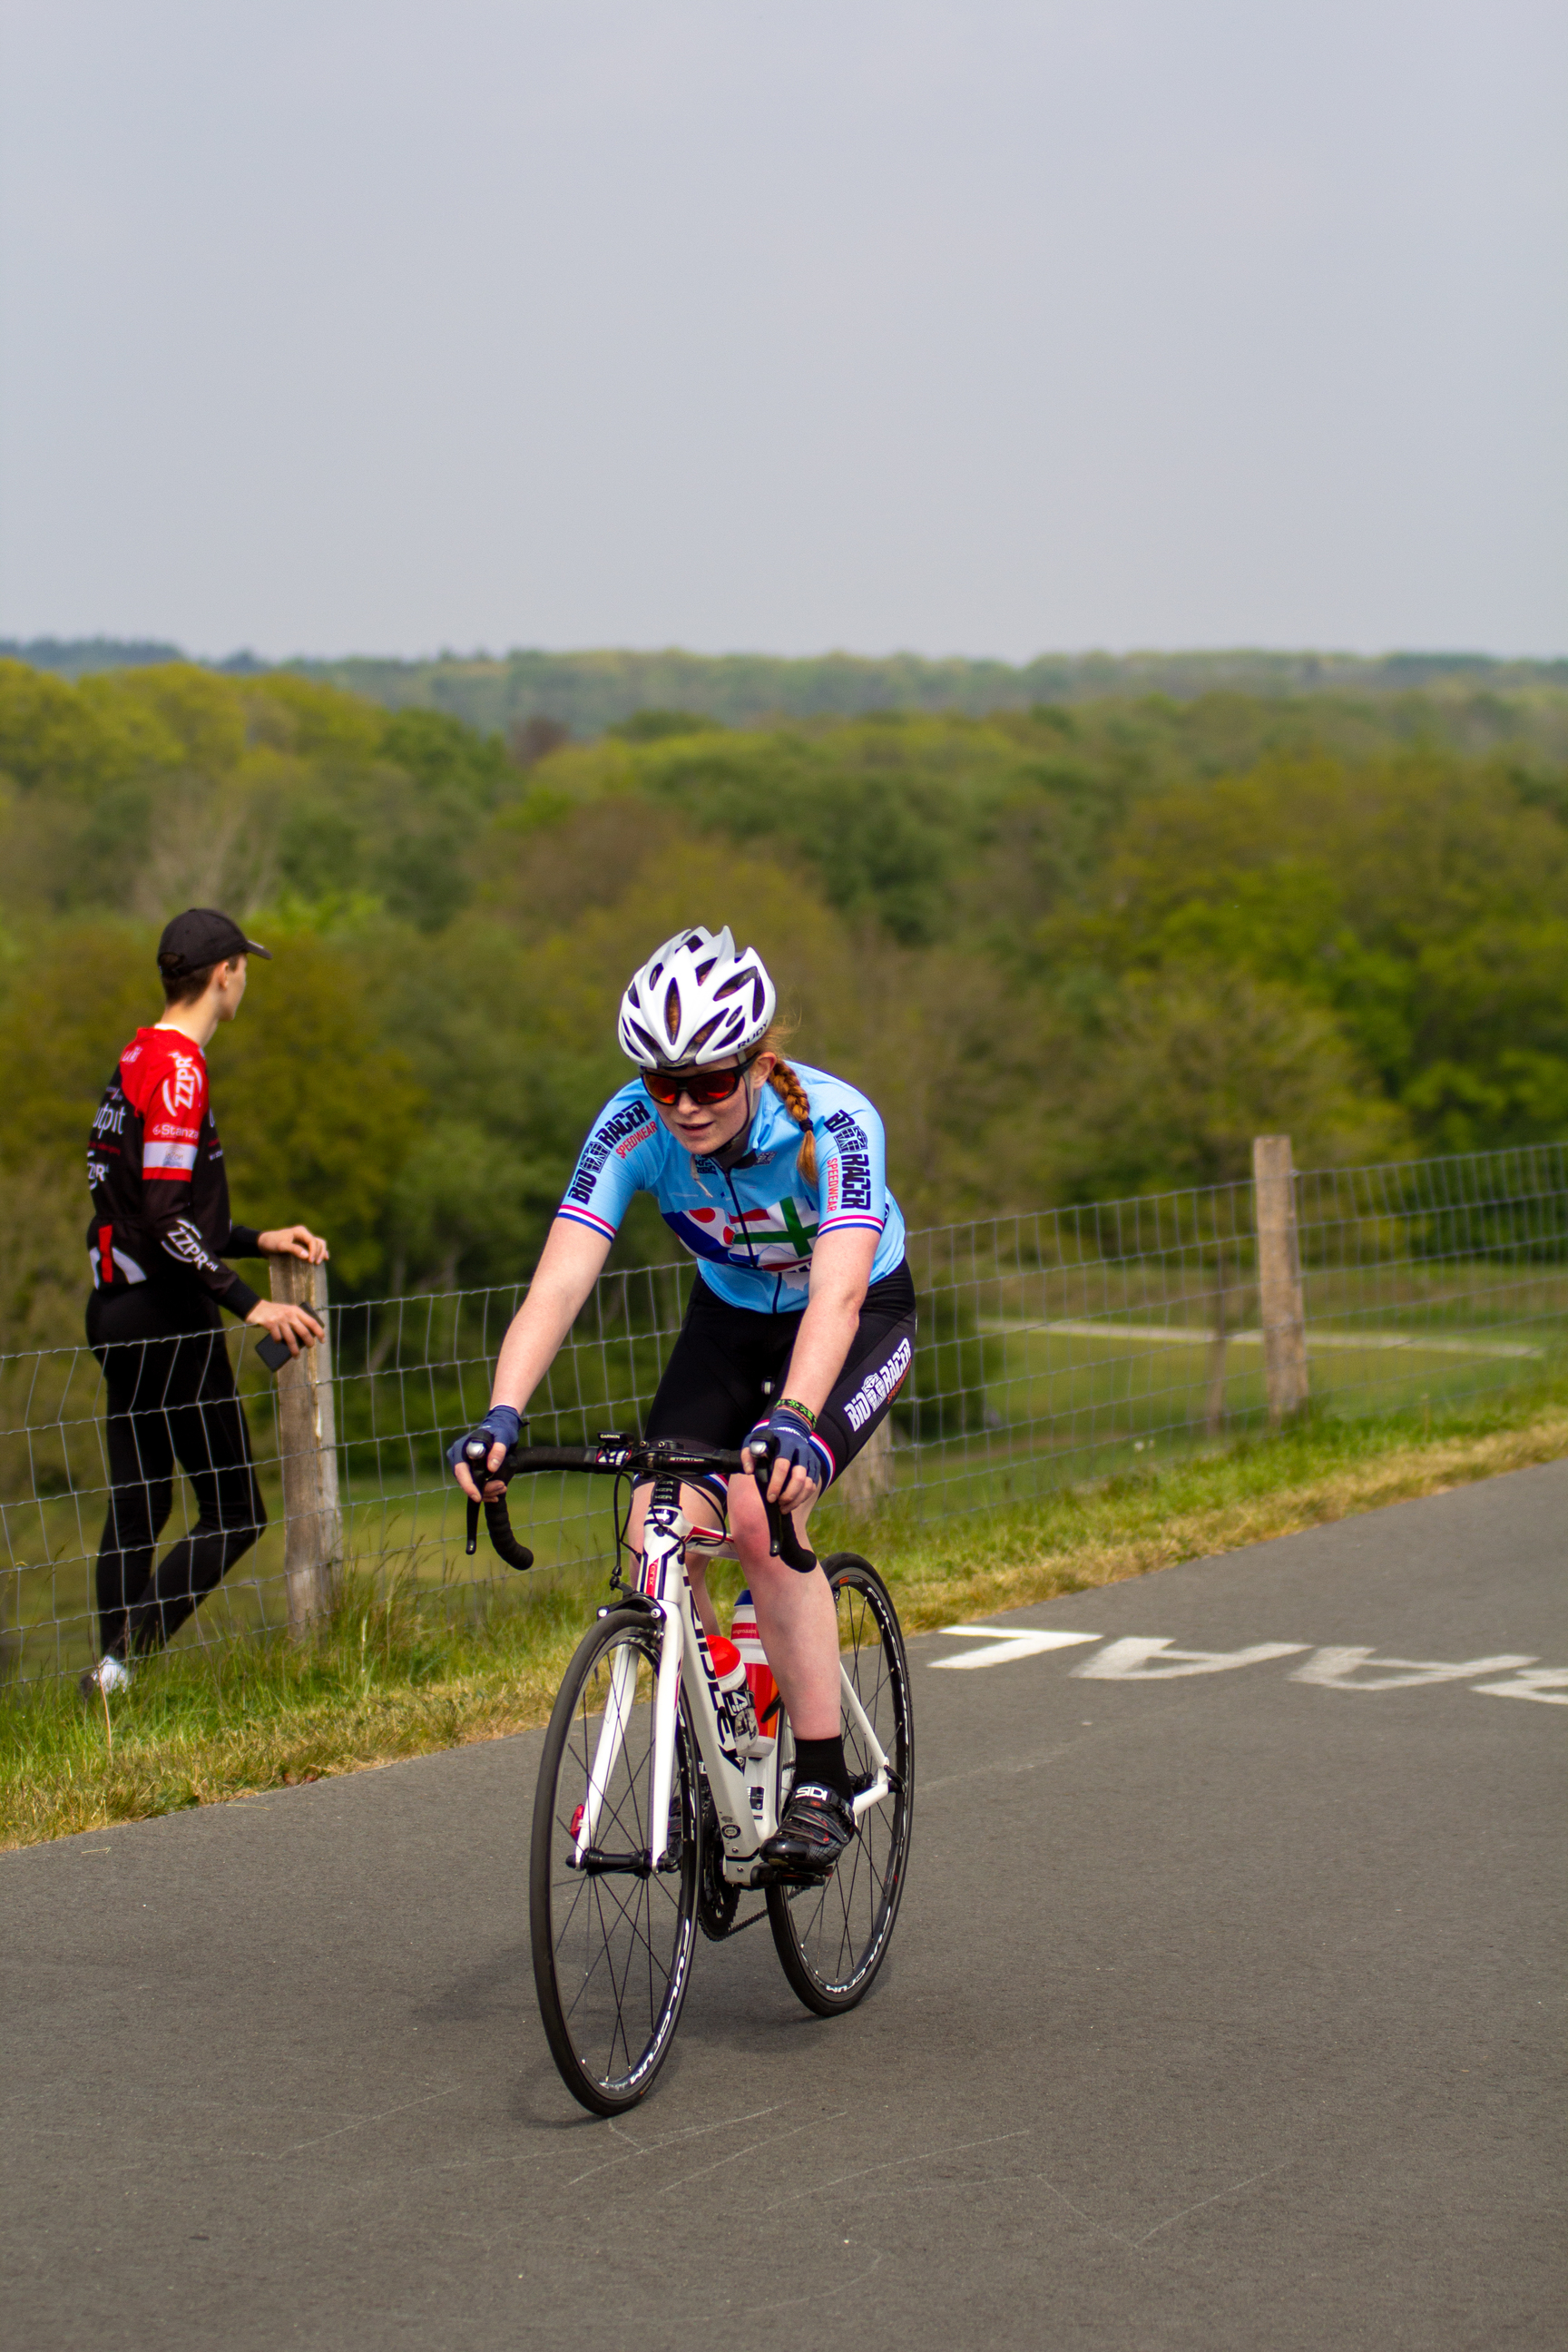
(1341, 1669)
(1346, 1666)
(1136, 1661)
(1548, 1684)
(1003, 1645)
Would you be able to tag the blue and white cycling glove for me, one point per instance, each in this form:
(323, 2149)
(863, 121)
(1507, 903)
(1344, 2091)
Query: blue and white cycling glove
(795, 1444)
(500, 1426)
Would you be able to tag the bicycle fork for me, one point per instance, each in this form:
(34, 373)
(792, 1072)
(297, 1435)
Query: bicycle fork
(664, 1536)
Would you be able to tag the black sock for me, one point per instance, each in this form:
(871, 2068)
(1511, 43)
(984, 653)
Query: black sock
(823, 1759)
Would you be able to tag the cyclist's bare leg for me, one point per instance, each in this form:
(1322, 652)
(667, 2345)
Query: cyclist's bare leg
(797, 1617)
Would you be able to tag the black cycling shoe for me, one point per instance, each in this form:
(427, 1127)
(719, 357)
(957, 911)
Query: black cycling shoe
(815, 1828)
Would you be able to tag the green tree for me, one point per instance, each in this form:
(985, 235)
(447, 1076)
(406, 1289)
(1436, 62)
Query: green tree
(1070, 951)
(1421, 901)
(318, 1113)
(1191, 1062)
(315, 1112)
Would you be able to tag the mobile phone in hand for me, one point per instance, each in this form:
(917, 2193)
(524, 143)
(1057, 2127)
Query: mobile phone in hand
(274, 1353)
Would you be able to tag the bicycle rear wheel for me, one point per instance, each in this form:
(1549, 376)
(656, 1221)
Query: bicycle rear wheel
(833, 1937)
(612, 1948)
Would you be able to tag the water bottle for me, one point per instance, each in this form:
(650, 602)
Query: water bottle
(759, 1673)
(729, 1669)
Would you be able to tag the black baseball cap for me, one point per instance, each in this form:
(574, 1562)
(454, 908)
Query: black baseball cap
(199, 937)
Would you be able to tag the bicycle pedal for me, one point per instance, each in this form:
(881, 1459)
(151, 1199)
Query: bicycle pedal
(595, 1861)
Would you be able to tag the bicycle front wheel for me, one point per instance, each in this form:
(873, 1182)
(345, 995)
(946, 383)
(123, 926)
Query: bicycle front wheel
(833, 1937)
(612, 1944)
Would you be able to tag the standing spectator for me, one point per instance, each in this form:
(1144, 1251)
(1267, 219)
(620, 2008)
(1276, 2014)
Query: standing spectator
(161, 1230)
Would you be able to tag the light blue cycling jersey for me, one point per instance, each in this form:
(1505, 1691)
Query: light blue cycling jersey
(752, 1228)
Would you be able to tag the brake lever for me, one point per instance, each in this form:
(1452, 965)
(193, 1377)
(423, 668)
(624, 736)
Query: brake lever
(769, 1449)
(783, 1541)
(475, 1456)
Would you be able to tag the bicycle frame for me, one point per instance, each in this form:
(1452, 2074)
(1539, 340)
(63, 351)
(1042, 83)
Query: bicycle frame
(745, 1790)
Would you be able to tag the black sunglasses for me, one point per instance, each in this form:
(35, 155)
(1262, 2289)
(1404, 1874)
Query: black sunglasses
(704, 1086)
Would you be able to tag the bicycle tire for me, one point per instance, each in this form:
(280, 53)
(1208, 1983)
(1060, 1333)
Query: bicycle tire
(832, 1937)
(612, 1952)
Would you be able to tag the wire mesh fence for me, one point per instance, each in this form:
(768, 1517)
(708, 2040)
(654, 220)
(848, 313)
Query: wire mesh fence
(1053, 1347)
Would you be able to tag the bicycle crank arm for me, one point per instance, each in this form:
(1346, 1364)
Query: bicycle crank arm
(880, 1789)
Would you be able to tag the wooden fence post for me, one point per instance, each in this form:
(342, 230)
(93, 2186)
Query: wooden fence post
(1214, 1418)
(10, 1638)
(1279, 1275)
(307, 1447)
(870, 1476)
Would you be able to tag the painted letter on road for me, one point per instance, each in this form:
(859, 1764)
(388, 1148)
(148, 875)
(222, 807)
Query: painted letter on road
(1024, 1642)
(1341, 1670)
(1134, 1661)
(1548, 1684)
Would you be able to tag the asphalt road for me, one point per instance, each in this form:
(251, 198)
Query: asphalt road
(1220, 2014)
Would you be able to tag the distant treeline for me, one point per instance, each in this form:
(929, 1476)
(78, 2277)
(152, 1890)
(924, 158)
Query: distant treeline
(587, 693)
(1075, 951)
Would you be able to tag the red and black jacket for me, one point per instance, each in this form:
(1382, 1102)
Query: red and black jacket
(160, 1192)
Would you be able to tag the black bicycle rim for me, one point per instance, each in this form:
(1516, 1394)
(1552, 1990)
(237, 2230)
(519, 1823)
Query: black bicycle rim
(832, 1937)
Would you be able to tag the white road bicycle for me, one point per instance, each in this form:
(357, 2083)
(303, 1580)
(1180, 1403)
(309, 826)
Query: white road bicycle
(658, 1790)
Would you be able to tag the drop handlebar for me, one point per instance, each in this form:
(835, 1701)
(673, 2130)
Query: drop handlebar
(615, 1457)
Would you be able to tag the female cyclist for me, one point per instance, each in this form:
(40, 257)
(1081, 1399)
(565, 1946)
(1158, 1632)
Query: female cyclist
(801, 1322)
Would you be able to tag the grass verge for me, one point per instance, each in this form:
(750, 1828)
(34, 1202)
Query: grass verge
(382, 1681)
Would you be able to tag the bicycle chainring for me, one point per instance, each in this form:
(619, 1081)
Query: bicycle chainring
(717, 1900)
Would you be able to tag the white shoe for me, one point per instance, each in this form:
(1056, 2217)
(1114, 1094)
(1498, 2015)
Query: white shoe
(110, 1673)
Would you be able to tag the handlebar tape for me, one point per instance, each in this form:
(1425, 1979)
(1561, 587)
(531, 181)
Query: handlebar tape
(498, 1527)
(548, 1457)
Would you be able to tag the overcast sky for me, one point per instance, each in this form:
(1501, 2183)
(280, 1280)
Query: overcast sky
(982, 326)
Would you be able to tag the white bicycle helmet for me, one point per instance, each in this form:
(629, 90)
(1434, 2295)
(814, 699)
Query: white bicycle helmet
(695, 1001)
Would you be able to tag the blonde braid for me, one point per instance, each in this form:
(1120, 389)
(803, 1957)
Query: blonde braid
(791, 1094)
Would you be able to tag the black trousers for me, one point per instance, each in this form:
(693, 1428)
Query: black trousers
(171, 1399)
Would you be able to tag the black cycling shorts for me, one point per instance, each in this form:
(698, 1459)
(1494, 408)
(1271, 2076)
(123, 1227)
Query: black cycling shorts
(715, 1389)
